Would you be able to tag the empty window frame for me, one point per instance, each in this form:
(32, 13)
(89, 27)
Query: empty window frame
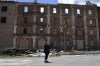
(67, 31)
(78, 11)
(91, 32)
(4, 9)
(41, 30)
(66, 11)
(41, 19)
(91, 22)
(90, 12)
(26, 9)
(25, 31)
(42, 9)
(67, 21)
(55, 31)
(91, 43)
(25, 19)
(3, 19)
(54, 10)
(68, 43)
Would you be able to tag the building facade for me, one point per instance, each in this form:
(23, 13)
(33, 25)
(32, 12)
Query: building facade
(63, 26)
(7, 21)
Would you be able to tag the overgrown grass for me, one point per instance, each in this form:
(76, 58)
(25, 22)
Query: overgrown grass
(8, 56)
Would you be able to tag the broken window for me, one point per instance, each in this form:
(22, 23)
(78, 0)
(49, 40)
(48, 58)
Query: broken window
(68, 43)
(55, 31)
(41, 20)
(91, 43)
(25, 31)
(90, 12)
(90, 21)
(66, 11)
(41, 30)
(3, 19)
(4, 9)
(54, 10)
(67, 31)
(26, 9)
(42, 9)
(25, 19)
(78, 11)
(91, 32)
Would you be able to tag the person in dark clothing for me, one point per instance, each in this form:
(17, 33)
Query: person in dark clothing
(46, 51)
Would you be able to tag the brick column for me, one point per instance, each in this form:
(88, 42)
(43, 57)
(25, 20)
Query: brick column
(34, 24)
(15, 26)
(85, 27)
(61, 21)
(34, 41)
(61, 28)
(97, 26)
(48, 19)
(48, 23)
(73, 26)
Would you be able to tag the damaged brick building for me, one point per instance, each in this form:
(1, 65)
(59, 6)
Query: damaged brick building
(63, 26)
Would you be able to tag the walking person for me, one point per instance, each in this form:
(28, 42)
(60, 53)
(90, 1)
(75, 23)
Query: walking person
(46, 51)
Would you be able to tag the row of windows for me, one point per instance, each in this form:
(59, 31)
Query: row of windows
(4, 9)
(55, 31)
(41, 31)
(3, 20)
(41, 19)
(66, 21)
(55, 10)
(25, 30)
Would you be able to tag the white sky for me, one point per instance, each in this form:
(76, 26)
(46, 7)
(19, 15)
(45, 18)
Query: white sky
(79, 1)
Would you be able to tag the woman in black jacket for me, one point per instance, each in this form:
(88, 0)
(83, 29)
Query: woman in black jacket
(46, 51)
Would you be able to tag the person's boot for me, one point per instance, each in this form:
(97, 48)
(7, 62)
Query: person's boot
(45, 61)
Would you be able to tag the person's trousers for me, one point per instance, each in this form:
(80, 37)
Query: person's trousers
(46, 56)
